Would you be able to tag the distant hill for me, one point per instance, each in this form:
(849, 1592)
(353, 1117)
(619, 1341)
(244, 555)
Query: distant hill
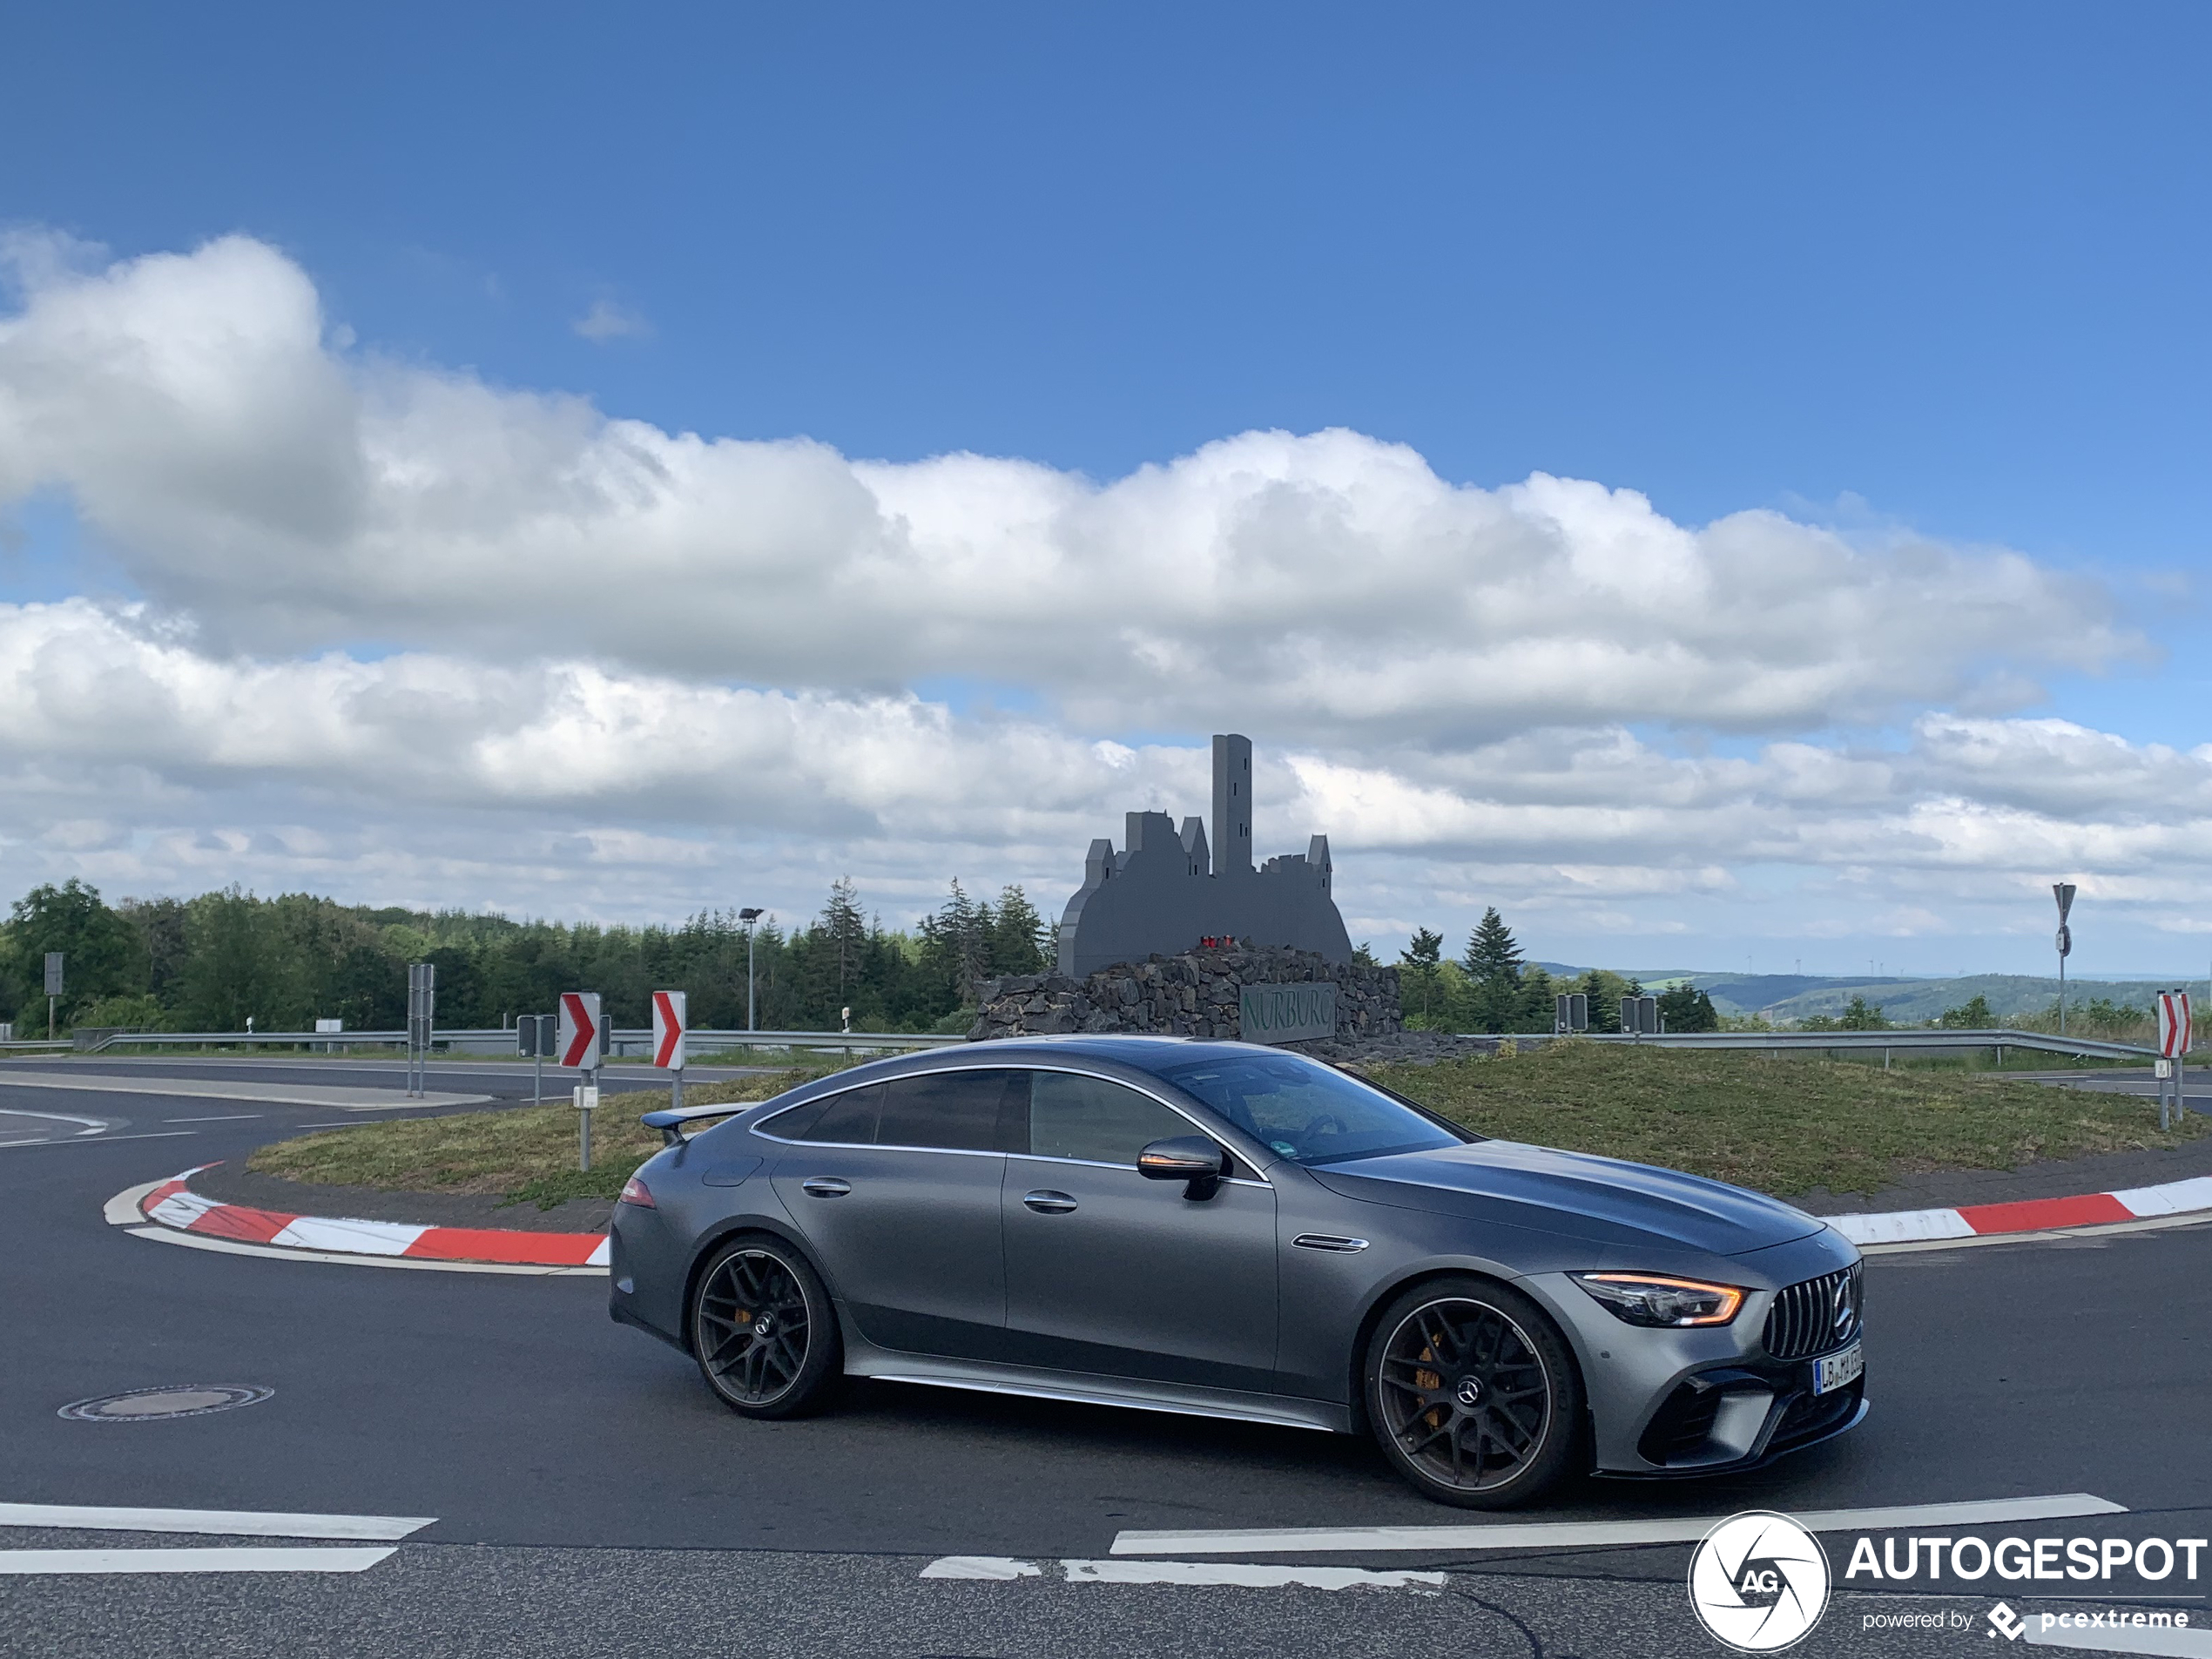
(1909, 1001)
(1791, 996)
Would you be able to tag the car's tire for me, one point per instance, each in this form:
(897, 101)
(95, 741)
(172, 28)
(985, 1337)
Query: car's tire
(1473, 1394)
(763, 1330)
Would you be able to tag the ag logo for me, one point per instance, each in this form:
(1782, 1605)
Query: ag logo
(1759, 1581)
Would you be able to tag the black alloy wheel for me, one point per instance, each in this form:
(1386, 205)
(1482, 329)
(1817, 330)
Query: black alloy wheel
(1472, 1395)
(764, 1332)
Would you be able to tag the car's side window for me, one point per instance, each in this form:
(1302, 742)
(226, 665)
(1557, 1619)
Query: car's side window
(980, 1111)
(1074, 1117)
(850, 1119)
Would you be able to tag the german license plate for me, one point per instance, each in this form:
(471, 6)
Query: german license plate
(1838, 1370)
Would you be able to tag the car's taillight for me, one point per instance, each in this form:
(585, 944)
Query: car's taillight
(633, 1192)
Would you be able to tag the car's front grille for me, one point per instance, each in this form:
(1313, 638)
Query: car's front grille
(1815, 1315)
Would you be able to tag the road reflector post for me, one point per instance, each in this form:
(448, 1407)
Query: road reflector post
(587, 1102)
(534, 1034)
(422, 1021)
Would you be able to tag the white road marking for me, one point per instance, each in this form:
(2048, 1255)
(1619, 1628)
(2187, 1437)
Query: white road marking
(996, 1569)
(52, 1118)
(234, 1117)
(232, 1523)
(245, 1559)
(1591, 1535)
(152, 1135)
(1243, 1573)
(274, 1094)
(1005, 1569)
(2181, 1644)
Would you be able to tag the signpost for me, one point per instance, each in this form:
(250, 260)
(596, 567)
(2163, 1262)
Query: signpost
(1571, 1013)
(53, 988)
(2174, 1037)
(421, 1015)
(2063, 892)
(583, 1042)
(668, 1041)
(1640, 1015)
(750, 917)
(534, 1037)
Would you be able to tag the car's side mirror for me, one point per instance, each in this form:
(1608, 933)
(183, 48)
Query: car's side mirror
(1192, 1159)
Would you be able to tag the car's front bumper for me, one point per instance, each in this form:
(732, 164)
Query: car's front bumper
(1705, 1401)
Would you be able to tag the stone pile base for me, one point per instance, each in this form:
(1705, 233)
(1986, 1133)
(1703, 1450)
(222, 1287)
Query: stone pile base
(1192, 996)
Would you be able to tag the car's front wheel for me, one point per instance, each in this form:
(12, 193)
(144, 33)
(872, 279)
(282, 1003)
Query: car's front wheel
(763, 1331)
(1473, 1394)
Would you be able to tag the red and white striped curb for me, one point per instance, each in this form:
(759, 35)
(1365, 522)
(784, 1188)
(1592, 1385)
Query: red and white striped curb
(174, 1204)
(2027, 1214)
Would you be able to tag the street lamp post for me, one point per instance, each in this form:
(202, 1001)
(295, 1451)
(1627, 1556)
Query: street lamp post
(752, 920)
(2063, 892)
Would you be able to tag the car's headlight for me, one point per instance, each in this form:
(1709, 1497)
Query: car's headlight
(1653, 1298)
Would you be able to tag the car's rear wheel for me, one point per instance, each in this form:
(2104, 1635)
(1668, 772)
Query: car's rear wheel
(764, 1329)
(1473, 1394)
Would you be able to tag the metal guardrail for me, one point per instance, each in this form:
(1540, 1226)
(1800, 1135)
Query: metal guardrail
(2043, 1042)
(495, 1040)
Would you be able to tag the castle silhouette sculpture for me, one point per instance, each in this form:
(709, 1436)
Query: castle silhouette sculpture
(1164, 893)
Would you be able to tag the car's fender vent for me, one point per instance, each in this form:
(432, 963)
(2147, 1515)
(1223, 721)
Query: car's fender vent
(1814, 1315)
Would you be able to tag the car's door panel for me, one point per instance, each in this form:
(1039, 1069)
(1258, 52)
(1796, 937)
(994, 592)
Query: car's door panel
(909, 1236)
(1108, 1272)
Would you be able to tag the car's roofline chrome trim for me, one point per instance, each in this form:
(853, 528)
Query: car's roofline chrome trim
(1257, 1179)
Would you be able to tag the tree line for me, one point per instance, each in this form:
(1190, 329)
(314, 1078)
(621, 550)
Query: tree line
(212, 963)
(1493, 988)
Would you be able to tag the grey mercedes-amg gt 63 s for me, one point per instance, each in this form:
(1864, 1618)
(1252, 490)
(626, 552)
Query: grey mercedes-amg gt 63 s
(1228, 1230)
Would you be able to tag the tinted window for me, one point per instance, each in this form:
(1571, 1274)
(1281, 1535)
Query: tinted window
(849, 1119)
(1073, 1117)
(968, 1110)
(793, 1124)
(1308, 1111)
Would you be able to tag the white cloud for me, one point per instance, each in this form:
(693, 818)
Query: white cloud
(287, 498)
(606, 320)
(632, 672)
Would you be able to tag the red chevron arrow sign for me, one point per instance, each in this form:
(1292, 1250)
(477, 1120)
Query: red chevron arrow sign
(579, 1039)
(667, 1030)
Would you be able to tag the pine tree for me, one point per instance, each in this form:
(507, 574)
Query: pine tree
(1493, 952)
(1417, 963)
(1493, 966)
(1021, 939)
(845, 931)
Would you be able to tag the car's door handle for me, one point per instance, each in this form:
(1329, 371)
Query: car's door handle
(1048, 1202)
(825, 1186)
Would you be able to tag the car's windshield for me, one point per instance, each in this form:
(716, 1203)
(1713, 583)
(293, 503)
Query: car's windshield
(1308, 1111)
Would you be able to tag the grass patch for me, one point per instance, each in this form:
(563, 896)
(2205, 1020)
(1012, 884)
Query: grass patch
(526, 1155)
(1781, 1123)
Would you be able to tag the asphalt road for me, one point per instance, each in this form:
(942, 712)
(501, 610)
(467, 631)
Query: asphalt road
(591, 1499)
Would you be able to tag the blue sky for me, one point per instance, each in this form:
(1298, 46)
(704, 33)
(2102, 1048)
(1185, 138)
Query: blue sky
(1900, 272)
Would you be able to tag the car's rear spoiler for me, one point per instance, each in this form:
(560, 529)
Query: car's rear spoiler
(670, 1122)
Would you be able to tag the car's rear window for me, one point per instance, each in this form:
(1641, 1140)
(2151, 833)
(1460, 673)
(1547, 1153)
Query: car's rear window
(1308, 1111)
